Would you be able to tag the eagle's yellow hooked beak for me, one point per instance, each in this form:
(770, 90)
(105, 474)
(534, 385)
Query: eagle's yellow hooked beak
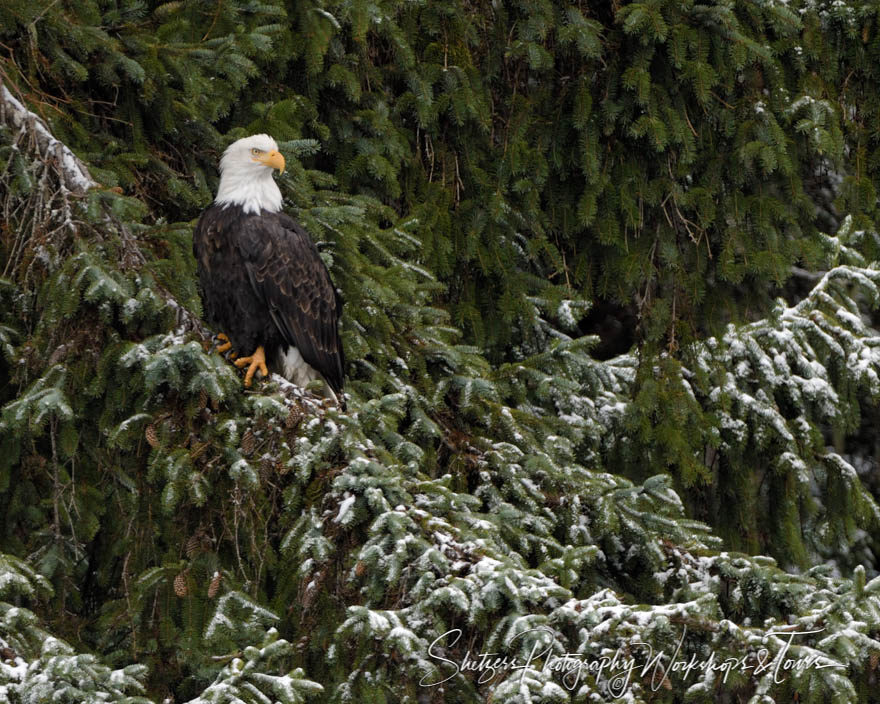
(273, 159)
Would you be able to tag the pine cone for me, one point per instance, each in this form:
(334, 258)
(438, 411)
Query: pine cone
(203, 399)
(152, 436)
(294, 416)
(193, 546)
(248, 442)
(214, 587)
(180, 587)
(207, 542)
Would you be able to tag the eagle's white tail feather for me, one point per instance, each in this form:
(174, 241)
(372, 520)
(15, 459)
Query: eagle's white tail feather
(294, 368)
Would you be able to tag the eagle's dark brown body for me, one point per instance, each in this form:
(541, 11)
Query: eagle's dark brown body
(263, 284)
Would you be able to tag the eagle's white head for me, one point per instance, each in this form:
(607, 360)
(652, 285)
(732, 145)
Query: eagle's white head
(246, 174)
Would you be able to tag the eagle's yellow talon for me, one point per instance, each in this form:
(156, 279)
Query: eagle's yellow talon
(256, 361)
(226, 343)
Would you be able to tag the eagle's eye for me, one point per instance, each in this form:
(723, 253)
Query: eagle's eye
(256, 152)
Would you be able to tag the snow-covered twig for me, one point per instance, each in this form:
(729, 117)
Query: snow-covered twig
(75, 175)
(47, 214)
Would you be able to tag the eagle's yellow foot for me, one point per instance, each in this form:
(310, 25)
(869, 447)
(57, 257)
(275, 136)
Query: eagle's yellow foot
(256, 361)
(225, 348)
(227, 345)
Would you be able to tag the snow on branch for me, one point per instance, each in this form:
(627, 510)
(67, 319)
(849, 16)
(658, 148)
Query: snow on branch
(42, 186)
(46, 205)
(42, 143)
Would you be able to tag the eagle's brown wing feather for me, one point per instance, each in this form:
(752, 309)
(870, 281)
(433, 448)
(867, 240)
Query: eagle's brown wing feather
(287, 273)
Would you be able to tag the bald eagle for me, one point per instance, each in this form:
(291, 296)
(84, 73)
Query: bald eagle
(263, 283)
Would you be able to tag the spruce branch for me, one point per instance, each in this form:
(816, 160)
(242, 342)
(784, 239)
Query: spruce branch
(54, 212)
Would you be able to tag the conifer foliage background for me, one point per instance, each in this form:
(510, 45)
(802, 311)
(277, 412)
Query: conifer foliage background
(610, 315)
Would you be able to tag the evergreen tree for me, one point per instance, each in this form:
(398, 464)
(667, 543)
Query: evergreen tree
(476, 177)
